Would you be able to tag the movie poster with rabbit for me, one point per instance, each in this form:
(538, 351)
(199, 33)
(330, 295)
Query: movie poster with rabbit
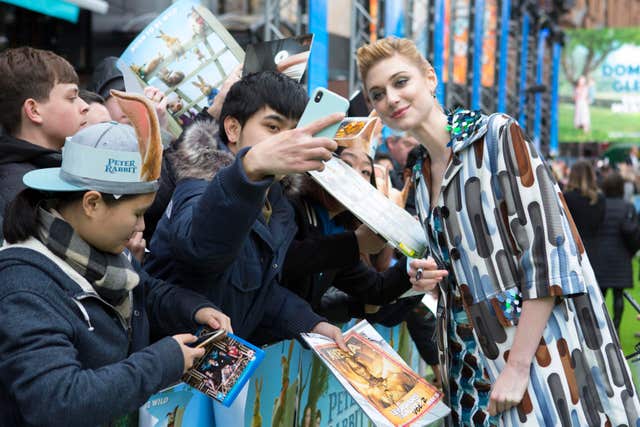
(187, 53)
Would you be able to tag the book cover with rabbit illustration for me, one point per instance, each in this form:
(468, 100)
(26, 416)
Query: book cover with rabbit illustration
(226, 366)
(187, 53)
(381, 383)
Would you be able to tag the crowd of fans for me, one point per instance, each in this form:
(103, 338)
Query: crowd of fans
(101, 282)
(602, 200)
(267, 258)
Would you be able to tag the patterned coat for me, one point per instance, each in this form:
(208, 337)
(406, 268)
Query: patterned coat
(501, 226)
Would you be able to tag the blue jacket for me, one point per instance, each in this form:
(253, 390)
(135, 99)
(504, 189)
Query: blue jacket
(67, 358)
(213, 238)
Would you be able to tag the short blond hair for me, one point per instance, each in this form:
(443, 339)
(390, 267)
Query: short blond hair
(370, 54)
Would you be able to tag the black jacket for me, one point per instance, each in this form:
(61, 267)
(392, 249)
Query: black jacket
(315, 262)
(588, 219)
(612, 266)
(213, 238)
(66, 356)
(202, 127)
(17, 157)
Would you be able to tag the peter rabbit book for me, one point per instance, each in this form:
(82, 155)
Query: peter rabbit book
(187, 53)
(226, 366)
(381, 383)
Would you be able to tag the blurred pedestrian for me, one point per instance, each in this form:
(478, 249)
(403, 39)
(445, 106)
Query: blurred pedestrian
(586, 204)
(617, 240)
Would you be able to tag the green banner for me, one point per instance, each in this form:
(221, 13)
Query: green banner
(600, 86)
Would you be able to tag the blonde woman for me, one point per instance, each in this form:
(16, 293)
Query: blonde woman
(524, 338)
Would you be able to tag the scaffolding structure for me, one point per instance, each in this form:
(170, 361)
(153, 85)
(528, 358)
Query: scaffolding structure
(523, 79)
(361, 25)
(283, 14)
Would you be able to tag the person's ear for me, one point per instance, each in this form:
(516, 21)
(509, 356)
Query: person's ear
(232, 128)
(31, 110)
(92, 203)
(432, 80)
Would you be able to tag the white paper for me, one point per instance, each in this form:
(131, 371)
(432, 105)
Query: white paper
(372, 207)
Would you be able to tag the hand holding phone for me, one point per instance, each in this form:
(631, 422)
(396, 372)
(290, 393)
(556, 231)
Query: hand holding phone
(303, 149)
(207, 338)
(323, 103)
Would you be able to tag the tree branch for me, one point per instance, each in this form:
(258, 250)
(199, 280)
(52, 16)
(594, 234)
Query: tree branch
(568, 70)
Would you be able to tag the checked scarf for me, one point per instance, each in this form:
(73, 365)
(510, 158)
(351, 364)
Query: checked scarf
(111, 276)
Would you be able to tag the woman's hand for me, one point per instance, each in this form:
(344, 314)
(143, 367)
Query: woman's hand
(509, 389)
(333, 332)
(511, 384)
(216, 106)
(368, 241)
(424, 274)
(213, 318)
(159, 102)
(189, 355)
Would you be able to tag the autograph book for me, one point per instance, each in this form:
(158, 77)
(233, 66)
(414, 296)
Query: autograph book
(387, 390)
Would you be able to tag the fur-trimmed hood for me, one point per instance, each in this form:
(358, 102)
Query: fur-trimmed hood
(199, 154)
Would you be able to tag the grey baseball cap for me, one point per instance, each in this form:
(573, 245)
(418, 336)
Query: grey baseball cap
(102, 157)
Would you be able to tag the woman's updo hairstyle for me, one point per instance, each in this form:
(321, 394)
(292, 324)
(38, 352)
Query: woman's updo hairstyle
(370, 54)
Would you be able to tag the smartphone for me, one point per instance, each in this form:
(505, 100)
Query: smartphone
(323, 103)
(206, 338)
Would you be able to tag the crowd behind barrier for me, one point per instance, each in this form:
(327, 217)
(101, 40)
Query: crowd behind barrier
(117, 247)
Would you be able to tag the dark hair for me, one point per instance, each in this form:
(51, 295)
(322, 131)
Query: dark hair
(90, 97)
(21, 215)
(412, 157)
(29, 73)
(372, 178)
(258, 90)
(383, 156)
(613, 185)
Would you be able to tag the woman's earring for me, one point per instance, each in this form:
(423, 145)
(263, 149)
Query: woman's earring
(433, 93)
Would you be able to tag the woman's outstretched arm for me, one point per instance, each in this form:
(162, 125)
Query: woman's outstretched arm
(510, 386)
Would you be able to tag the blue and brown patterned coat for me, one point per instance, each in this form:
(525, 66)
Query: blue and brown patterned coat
(501, 225)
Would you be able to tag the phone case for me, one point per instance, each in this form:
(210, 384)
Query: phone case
(328, 104)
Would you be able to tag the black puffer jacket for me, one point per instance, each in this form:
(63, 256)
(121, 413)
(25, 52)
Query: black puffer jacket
(588, 218)
(613, 263)
(17, 157)
(315, 262)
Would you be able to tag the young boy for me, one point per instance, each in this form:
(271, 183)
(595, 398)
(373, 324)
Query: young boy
(227, 237)
(39, 108)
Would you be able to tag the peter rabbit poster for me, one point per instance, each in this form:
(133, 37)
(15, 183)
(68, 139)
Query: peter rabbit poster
(186, 53)
(376, 377)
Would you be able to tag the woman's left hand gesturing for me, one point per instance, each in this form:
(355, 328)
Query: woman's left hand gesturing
(509, 389)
